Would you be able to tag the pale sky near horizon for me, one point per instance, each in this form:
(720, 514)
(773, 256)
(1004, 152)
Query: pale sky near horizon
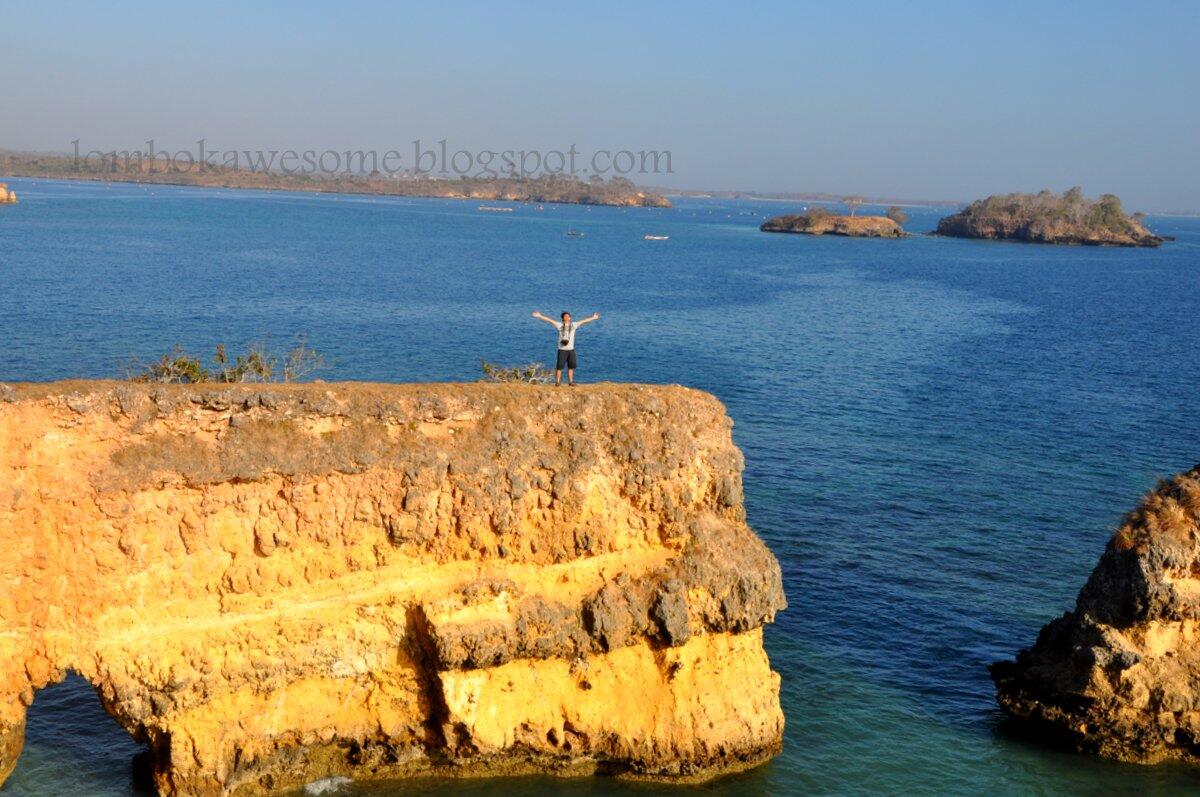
(939, 100)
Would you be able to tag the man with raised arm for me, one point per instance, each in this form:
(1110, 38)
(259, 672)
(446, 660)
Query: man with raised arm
(566, 343)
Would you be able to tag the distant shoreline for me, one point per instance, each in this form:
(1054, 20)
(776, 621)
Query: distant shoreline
(815, 196)
(548, 189)
(654, 195)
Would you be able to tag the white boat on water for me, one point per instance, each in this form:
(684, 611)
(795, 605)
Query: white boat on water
(656, 237)
(496, 209)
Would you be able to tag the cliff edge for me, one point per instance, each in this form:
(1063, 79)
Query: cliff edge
(273, 584)
(1120, 675)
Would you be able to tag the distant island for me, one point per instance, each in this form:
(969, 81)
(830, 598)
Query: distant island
(1049, 218)
(820, 221)
(552, 187)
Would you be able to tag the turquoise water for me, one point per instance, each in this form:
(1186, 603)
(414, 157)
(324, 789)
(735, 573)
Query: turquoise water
(940, 435)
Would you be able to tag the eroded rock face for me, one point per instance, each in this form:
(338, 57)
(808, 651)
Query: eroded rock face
(7, 196)
(1120, 676)
(270, 585)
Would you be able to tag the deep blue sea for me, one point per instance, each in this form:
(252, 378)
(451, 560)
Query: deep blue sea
(940, 435)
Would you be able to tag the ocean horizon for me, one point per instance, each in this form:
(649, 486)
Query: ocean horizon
(940, 435)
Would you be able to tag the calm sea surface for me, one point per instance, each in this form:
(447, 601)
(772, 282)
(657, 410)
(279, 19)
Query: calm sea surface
(940, 435)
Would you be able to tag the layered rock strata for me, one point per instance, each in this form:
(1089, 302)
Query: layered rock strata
(275, 584)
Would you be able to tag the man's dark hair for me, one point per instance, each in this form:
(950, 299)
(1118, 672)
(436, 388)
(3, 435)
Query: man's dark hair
(564, 314)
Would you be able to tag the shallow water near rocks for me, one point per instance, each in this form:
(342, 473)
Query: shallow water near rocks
(940, 435)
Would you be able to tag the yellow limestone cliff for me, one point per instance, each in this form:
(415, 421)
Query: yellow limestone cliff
(272, 584)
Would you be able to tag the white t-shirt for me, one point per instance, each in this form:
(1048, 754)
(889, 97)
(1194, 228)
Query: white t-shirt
(566, 332)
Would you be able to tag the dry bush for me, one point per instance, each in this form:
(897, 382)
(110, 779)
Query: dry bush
(257, 364)
(534, 373)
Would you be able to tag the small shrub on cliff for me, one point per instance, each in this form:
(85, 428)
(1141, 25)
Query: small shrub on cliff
(175, 367)
(301, 361)
(257, 364)
(534, 373)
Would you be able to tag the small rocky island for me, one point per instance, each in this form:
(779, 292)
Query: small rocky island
(1120, 675)
(819, 221)
(7, 197)
(1048, 218)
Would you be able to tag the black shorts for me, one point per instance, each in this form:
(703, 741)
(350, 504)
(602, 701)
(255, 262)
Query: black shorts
(566, 359)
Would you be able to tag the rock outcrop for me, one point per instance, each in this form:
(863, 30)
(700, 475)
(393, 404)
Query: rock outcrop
(1049, 219)
(1120, 675)
(832, 224)
(7, 197)
(273, 584)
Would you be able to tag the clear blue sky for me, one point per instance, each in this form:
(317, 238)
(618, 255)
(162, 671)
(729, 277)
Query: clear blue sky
(927, 99)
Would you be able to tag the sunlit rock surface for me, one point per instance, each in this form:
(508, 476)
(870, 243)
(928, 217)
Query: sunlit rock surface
(275, 584)
(1120, 675)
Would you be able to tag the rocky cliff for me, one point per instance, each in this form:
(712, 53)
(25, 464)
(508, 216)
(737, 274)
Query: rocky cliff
(7, 197)
(832, 224)
(270, 585)
(1120, 675)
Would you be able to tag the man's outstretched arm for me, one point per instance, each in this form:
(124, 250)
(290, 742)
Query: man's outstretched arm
(590, 319)
(546, 318)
